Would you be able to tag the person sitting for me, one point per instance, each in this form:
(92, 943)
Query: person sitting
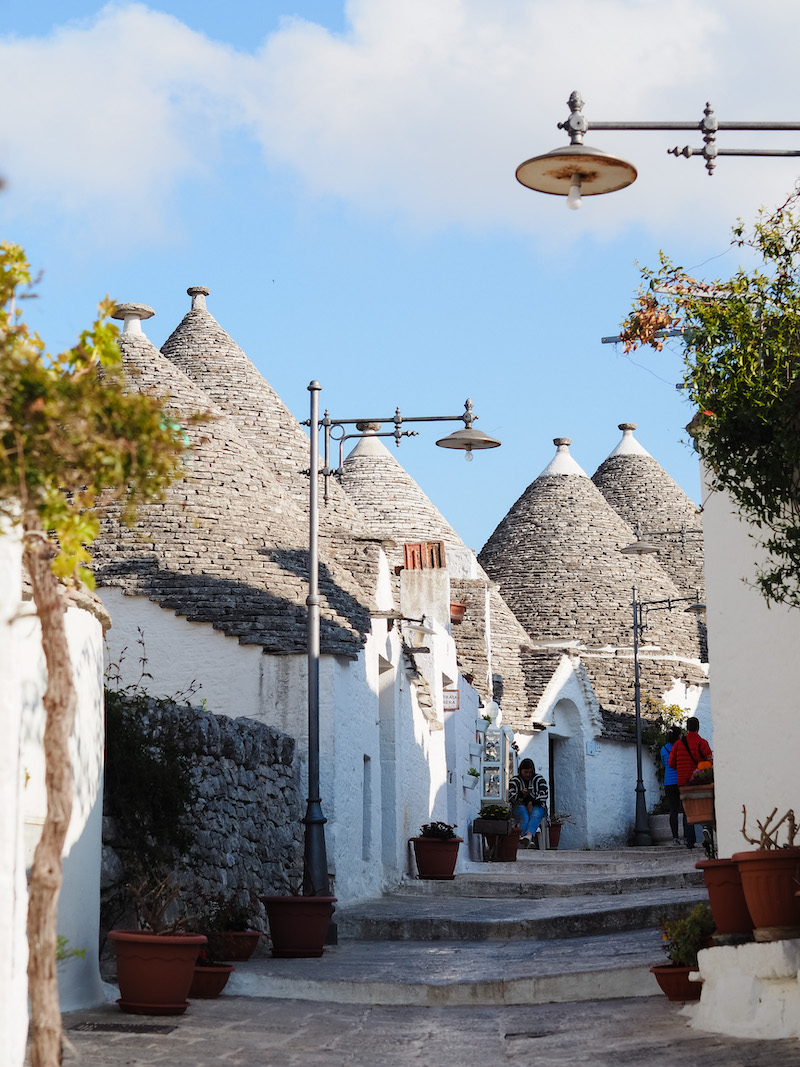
(527, 797)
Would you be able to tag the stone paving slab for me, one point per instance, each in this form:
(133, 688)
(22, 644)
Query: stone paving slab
(242, 1032)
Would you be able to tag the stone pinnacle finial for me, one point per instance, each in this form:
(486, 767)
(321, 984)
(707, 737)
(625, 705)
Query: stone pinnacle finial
(626, 426)
(198, 293)
(132, 315)
(562, 442)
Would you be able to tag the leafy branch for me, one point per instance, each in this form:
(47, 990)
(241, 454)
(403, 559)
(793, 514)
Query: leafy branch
(741, 341)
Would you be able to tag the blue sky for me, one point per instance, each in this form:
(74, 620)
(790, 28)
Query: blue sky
(341, 176)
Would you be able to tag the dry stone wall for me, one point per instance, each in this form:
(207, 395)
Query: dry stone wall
(247, 816)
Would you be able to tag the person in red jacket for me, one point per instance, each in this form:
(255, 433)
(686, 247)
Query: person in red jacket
(686, 753)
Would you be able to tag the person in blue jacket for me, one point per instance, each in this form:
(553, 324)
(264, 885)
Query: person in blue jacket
(671, 790)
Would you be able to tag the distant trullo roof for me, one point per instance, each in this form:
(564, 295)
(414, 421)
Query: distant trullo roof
(639, 489)
(228, 545)
(556, 559)
(399, 510)
(212, 359)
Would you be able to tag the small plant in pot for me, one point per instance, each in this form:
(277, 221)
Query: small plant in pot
(436, 850)
(683, 938)
(229, 924)
(155, 964)
(210, 976)
(555, 822)
(771, 875)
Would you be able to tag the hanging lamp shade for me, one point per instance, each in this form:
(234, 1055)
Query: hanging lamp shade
(467, 440)
(598, 171)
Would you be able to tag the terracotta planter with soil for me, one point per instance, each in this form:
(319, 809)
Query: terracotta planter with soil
(770, 878)
(233, 945)
(298, 926)
(155, 970)
(436, 857)
(209, 980)
(726, 896)
(675, 984)
(698, 802)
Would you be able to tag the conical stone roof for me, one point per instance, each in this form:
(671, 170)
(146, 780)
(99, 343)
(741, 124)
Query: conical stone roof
(397, 508)
(639, 489)
(227, 546)
(555, 557)
(202, 349)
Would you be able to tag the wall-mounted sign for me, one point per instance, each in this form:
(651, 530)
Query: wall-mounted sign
(450, 699)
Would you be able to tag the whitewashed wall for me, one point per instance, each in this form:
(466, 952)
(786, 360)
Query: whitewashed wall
(13, 892)
(22, 806)
(756, 680)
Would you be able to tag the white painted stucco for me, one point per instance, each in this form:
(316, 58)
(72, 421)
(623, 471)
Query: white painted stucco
(751, 990)
(13, 892)
(22, 806)
(756, 676)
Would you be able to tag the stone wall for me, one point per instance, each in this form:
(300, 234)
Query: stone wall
(247, 816)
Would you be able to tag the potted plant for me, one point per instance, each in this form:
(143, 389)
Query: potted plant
(298, 925)
(210, 976)
(555, 822)
(683, 938)
(155, 964)
(436, 850)
(501, 836)
(228, 925)
(770, 877)
(697, 797)
(471, 778)
(483, 723)
(493, 819)
(726, 897)
(457, 611)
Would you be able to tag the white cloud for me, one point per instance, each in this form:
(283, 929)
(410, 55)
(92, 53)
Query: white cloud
(422, 111)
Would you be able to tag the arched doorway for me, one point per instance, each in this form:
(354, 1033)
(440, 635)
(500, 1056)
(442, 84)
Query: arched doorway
(568, 772)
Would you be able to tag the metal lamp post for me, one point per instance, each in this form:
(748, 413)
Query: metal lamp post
(315, 861)
(641, 829)
(579, 170)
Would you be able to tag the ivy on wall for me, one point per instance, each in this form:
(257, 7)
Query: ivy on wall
(741, 341)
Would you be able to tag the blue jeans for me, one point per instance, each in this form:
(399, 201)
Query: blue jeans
(528, 820)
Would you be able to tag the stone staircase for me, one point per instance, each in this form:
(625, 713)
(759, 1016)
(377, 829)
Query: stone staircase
(554, 926)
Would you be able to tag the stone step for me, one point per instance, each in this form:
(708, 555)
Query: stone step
(552, 884)
(405, 917)
(455, 973)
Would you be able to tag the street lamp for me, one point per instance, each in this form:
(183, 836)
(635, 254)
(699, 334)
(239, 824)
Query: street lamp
(641, 830)
(579, 170)
(315, 861)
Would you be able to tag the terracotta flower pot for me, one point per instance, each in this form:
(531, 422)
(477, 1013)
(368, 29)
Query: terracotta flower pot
(769, 879)
(457, 611)
(507, 846)
(236, 945)
(726, 896)
(554, 834)
(436, 858)
(154, 970)
(209, 981)
(698, 802)
(298, 926)
(675, 984)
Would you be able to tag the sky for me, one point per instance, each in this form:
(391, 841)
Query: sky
(341, 177)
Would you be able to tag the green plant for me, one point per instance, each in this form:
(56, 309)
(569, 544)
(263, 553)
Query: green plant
(72, 436)
(658, 719)
(474, 772)
(495, 811)
(442, 830)
(768, 831)
(559, 818)
(487, 717)
(683, 938)
(221, 914)
(703, 777)
(64, 953)
(741, 342)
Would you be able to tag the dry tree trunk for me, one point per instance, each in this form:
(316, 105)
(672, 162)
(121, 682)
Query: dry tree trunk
(60, 703)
